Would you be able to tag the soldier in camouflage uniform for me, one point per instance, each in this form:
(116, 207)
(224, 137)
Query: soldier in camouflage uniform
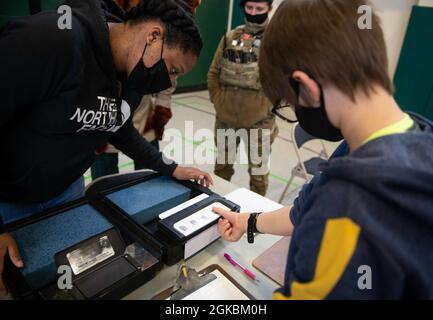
(236, 93)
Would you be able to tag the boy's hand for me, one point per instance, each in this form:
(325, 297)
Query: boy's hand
(232, 225)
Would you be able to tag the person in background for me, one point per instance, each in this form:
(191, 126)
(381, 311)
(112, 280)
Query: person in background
(237, 95)
(363, 228)
(150, 118)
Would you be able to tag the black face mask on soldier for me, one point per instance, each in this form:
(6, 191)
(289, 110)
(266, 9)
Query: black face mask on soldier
(257, 19)
(313, 120)
(151, 80)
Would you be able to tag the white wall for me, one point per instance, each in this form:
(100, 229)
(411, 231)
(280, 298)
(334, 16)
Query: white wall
(426, 3)
(275, 4)
(395, 16)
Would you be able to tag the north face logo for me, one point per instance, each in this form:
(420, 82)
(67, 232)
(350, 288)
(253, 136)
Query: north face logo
(105, 118)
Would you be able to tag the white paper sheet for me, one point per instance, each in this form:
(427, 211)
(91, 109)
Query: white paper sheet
(251, 201)
(182, 206)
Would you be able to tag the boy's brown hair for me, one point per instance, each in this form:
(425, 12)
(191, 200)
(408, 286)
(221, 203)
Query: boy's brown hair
(322, 38)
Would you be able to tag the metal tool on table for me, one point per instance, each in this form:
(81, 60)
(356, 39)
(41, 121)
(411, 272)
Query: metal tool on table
(188, 281)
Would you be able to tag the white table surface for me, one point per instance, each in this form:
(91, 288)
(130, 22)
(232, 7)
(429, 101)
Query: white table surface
(242, 251)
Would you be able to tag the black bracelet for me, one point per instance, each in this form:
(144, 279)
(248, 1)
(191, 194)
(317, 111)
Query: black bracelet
(252, 226)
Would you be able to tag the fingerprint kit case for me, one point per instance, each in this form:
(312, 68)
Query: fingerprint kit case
(178, 215)
(113, 240)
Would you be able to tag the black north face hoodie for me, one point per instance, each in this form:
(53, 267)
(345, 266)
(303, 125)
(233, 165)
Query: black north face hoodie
(59, 101)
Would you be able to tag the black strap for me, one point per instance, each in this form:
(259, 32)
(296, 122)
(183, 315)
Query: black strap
(35, 6)
(252, 226)
(162, 48)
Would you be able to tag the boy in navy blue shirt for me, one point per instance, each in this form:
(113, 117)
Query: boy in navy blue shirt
(364, 228)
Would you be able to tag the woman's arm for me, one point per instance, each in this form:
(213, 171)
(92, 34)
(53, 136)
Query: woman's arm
(36, 60)
(131, 143)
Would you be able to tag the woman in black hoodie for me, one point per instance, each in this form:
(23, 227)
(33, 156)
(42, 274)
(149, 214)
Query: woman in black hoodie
(70, 83)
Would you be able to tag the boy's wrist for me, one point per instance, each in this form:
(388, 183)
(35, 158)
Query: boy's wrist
(245, 217)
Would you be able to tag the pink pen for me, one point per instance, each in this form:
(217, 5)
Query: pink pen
(248, 273)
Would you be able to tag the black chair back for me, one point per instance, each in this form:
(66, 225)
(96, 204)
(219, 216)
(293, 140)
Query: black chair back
(301, 136)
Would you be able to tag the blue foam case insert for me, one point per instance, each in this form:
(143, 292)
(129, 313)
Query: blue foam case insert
(40, 241)
(145, 201)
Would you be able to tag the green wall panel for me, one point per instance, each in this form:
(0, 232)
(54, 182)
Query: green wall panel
(414, 76)
(11, 9)
(238, 17)
(212, 17)
(428, 111)
(51, 4)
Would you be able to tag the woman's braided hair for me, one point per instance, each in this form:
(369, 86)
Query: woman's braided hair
(181, 30)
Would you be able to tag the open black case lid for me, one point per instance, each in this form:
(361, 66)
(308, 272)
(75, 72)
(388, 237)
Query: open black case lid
(163, 231)
(109, 251)
(111, 274)
(107, 255)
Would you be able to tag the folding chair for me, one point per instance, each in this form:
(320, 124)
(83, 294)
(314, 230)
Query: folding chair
(305, 169)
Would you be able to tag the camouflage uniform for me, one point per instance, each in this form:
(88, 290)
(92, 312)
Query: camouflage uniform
(239, 101)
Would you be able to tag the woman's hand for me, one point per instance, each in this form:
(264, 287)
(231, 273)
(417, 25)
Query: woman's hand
(8, 245)
(201, 177)
(232, 225)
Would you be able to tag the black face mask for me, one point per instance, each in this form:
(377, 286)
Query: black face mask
(151, 80)
(257, 19)
(315, 121)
